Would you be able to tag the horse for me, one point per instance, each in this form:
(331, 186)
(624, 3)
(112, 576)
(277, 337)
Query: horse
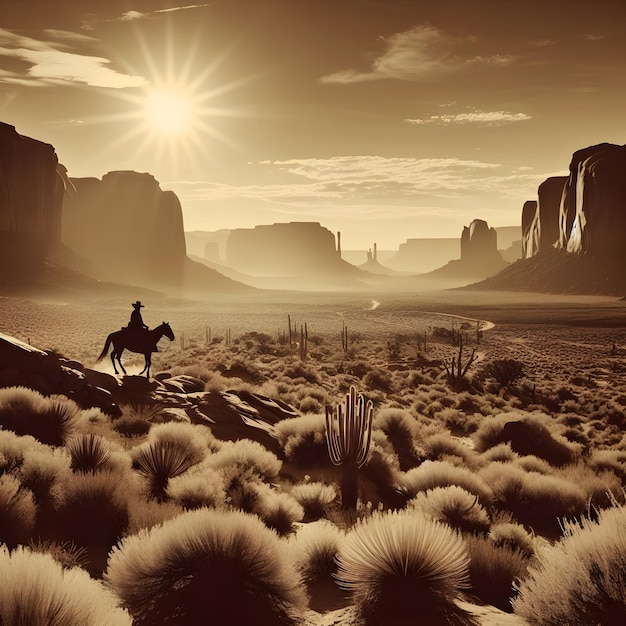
(141, 342)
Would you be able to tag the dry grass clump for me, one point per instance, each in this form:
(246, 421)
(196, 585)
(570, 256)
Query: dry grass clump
(303, 440)
(512, 536)
(315, 498)
(493, 570)
(245, 457)
(501, 453)
(580, 580)
(454, 506)
(403, 566)
(17, 511)
(36, 589)
(43, 471)
(170, 451)
(314, 547)
(528, 433)
(206, 563)
(401, 430)
(278, 510)
(443, 447)
(27, 412)
(534, 499)
(88, 452)
(432, 474)
(200, 487)
(93, 510)
(609, 460)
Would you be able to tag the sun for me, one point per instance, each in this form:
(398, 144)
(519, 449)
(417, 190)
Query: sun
(169, 112)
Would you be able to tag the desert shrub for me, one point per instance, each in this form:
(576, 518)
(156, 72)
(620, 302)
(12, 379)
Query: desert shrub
(200, 487)
(131, 426)
(533, 499)
(88, 451)
(454, 506)
(444, 447)
(609, 460)
(433, 474)
(93, 511)
(382, 471)
(512, 536)
(17, 511)
(66, 553)
(378, 379)
(493, 569)
(278, 510)
(12, 448)
(501, 453)
(245, 456)
(401, 431)
(160, 460)
(315, 498)
(504, 371)
(143, 514)
(603, 488)
(528, 433)
(581, 579)
(43, 472)
(402, 566)
(303, 373)
(315, 547)
(206, 563)
(532, 463)
(36, 589)
(27, 412)
(304, 440)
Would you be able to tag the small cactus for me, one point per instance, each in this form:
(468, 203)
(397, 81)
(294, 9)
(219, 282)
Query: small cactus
(348, 436)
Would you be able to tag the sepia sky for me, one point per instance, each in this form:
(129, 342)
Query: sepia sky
(385, 119)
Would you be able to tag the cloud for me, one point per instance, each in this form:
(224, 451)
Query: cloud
(371, 180)
(487, 118)
(129, 16)
(594, 37)
(138, 15)
(47, 64)
(420, 52)
(542, 43)
(66, 34)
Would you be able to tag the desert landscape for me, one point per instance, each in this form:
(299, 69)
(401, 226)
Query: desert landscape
(312, 316)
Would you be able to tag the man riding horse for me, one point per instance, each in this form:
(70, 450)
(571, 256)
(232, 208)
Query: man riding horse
(136, 337)
(136, 321)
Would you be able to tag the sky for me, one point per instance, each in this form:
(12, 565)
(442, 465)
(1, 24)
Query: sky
(385, 120)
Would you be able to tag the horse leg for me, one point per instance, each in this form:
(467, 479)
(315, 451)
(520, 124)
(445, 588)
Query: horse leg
(148, 363)
(113, 353)
(119, 360)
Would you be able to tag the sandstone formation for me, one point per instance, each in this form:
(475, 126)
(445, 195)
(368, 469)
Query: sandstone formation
(32, 183)
(287, 249)
(128, 227)
(541, 231)
(231, 415)
(592, 207)
(480, 257)
(421, 255)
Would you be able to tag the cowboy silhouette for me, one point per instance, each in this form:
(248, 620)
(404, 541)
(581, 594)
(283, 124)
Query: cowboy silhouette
(136, 321)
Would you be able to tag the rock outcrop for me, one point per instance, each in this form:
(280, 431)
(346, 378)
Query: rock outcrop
(231, 415)
(480, 257)
(284, 249)
(541, 230)
(421, 255)
(32, 183)
(592, 216)
(128, 227)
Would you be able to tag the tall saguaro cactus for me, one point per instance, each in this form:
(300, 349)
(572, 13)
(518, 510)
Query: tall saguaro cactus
(348, 436)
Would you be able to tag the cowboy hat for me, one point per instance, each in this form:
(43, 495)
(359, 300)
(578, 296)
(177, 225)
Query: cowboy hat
(137, 304)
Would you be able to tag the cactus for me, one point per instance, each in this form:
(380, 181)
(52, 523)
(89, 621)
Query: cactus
(304, 341)
(456, 371)
(348, 436)
(344, 337)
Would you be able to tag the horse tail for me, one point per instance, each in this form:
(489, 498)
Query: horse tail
(105, 350)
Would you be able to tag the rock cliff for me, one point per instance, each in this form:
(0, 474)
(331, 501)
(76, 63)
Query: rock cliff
(592, 208)
(128, 227)
(31, 194)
